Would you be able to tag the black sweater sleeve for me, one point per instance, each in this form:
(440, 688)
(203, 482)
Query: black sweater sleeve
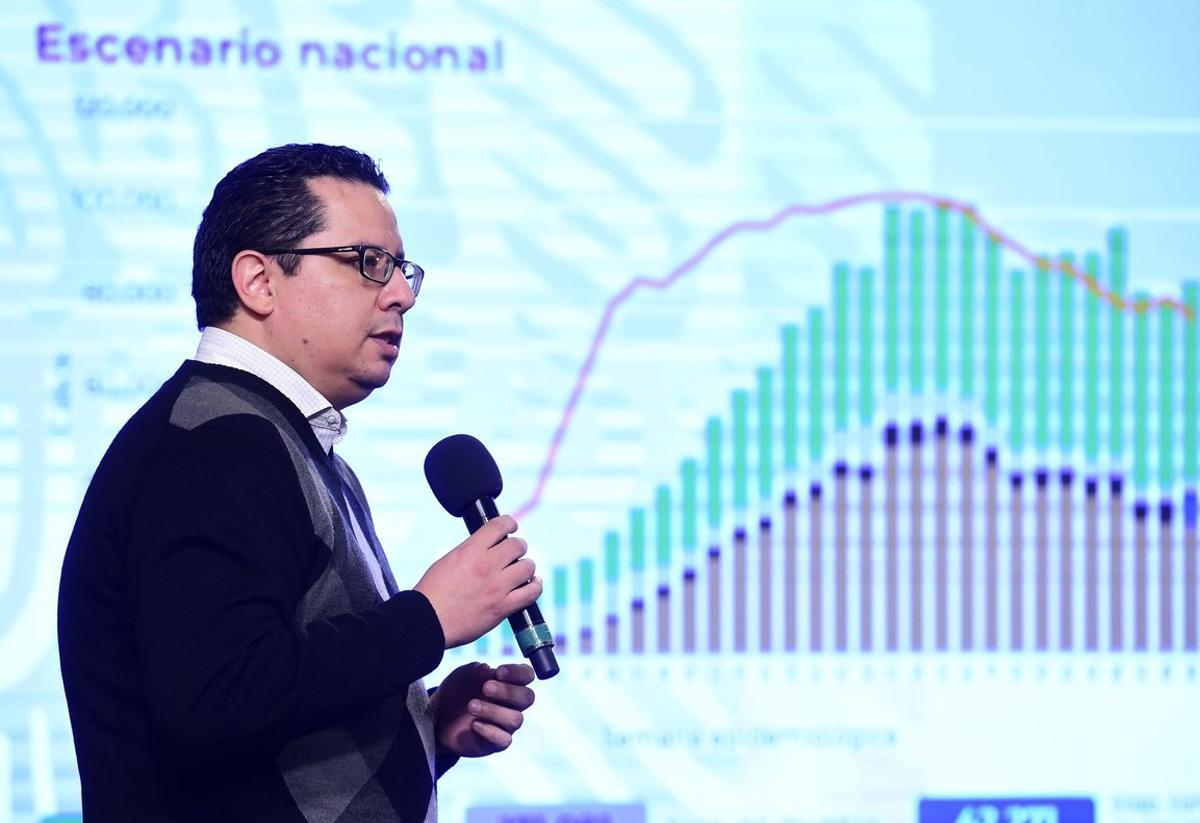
(221, 551)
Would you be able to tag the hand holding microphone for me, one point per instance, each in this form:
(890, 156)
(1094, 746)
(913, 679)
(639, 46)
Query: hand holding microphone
(486, 576)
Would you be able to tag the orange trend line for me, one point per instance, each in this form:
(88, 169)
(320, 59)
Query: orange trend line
(799, 209)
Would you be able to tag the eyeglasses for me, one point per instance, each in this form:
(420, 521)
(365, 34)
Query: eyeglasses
(374, 263)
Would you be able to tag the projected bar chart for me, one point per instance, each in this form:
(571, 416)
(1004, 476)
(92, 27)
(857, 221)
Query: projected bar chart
(959, 456)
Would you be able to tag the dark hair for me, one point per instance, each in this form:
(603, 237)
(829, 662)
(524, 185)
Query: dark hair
(263, 203)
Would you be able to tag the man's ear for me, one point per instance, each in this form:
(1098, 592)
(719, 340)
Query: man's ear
(252, 281)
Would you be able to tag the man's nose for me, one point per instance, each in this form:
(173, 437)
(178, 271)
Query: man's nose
(397, 293)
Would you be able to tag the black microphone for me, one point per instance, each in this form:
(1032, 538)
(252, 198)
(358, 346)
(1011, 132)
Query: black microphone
(466, 481)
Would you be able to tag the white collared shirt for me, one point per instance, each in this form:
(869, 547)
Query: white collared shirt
(223, 348)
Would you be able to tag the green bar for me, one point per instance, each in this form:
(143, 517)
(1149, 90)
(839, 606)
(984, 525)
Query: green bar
(714, 472)
(560, 586)
(942, 268)
(1116, 355)
(481, 645)
(1191, 385)
(662, 526)
(1066, 354)
(587, 580)
(1141, 394)
(1017, 385)
(991, 314)
(916, 271)
(637, 539)
(1091, 383)
(816, 396)
(866, 345)
(741, 437)
(967, 309)
(1167, 446)
(688, 474)
(891, 275)
(841, 350)
(791, 396)
(612, 557)
(766, 431)
(1042, 385)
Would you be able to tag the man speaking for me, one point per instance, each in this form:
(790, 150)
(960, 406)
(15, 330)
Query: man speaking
(233, 644)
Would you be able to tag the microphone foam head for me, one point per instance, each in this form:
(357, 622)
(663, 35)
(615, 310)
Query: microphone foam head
(461, 470)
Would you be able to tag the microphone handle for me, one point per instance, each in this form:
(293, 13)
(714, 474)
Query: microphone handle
(528, 625)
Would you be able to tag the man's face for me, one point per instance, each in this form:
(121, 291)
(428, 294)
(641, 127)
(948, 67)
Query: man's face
(339, 330)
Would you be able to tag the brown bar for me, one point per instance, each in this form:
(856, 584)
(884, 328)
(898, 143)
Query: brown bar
(610, 631)
(1066, 583)
(841, 549)
(814, 568)
(664, 619)
(637, 624)
(689, 611)
(866, 583)
(941, 537)
(967, 478)
(1016, 601)
(585, 640)
(1190, 548)
(714, 599)
(916, 513)
(1091, 547)
(739, 589)
(790, 572)
(991, 539)
(1141, 548)
(764, 583)
(1116, 580)
(891, 539)
(1166, 635)
(1042, 560)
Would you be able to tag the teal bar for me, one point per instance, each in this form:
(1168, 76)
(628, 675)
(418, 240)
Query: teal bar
(916, 259)
(967, 309)
(1116, 360)
(766, 431)
(791, 396)
(891, 318)
(942, 270)
(1191, 385)
(1042, 354)
(741, 448)
(1066, 353)
(866, 345)
(1091, 353)
(1167, 446)
(841, 350)
(482, 645)
(991, 315)
(816, 396)
(1018, 376)
(612, 557)
(714, 471)
(662, 526)
(1141, 394)
(560, 587)
(689, 472)
(637, 539)
(587, 580)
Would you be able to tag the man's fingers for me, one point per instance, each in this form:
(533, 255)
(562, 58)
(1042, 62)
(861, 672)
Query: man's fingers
(495, 530)
(508, 719)
(499, 738)
(508, 694)
(519, 673)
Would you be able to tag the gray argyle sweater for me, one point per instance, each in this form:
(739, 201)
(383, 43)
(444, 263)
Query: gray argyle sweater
(225, 652)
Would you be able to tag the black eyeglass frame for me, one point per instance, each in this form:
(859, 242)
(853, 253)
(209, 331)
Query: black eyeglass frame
(411, 272)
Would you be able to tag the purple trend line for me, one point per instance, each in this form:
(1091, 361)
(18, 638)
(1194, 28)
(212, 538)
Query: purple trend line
(759, 226)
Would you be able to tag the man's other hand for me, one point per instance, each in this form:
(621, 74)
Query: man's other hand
(477, 709)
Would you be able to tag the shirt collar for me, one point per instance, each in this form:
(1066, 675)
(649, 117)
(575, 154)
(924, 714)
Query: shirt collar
(223, 348)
